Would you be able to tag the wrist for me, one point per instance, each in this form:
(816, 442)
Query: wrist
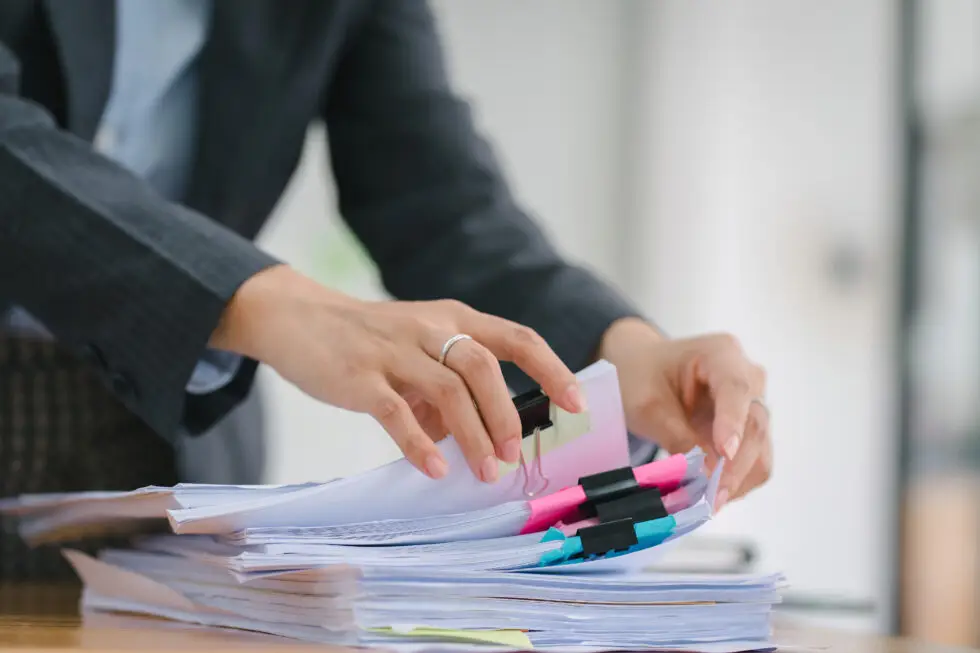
(620, 340)
(272, 297)
(234, 330)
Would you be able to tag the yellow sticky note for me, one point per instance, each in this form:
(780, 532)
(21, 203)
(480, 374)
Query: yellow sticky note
(515, 639)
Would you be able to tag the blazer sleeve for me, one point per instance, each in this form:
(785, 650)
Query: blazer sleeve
(128, 280)
(422, 191)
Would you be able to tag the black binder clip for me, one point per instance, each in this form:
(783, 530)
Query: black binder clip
(550, 427)
(534, 409)
(616, 494)
(614, 536)
(607, 486)
(645, 505)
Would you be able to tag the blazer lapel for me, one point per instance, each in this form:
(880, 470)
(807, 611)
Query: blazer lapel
(221, 107)
(239, 67)
(85, 36)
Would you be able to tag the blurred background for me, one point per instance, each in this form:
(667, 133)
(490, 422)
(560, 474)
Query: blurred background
(802, 174)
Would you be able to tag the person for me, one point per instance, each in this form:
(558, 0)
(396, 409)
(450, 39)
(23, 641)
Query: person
(143, 145)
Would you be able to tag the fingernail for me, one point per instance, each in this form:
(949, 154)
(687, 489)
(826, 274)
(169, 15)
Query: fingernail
(575, 398)
(512, 450)
(731, 446)
(435, 466)
(721, 499)
(488, 470)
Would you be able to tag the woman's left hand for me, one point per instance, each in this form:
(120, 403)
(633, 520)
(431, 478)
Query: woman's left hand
(699, 391)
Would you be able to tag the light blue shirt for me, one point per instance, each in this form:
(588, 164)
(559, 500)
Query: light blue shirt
(149, 124)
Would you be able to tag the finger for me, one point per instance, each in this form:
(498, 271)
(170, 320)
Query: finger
(738, 469)
(445, 390)
(523, 346)
(481, 372)
(732, 391)
(761, 472)
(427, 415)
(396, 417)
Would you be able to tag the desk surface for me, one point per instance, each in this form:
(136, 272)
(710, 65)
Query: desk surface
(45, 618)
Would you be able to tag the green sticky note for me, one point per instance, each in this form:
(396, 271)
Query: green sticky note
(515, 639)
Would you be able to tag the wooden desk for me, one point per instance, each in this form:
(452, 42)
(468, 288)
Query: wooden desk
(45, 619)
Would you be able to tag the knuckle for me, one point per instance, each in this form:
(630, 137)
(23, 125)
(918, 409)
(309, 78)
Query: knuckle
(361, 356)
(349, 368)
(453, 306)
(476, 360)
(413, 449)
(386, 408)
(523, 339)
(728, 342)
(415, 323)
(761, 375)
(739, 384)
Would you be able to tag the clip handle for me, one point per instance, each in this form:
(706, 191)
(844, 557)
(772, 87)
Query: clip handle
(534, 409)
(640, 507)
(608, 486)
(619, 535)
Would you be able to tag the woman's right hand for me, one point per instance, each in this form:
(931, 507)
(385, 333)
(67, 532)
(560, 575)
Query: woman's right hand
(382, 358)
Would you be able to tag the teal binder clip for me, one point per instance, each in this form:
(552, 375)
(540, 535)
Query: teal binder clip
(607, 540)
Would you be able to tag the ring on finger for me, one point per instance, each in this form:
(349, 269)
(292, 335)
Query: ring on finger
(762, 404)
(449, 345)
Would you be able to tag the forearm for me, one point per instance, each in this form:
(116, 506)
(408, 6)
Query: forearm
(130, 281)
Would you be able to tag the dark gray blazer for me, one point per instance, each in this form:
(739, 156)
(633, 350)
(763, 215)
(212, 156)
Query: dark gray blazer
(136, 284)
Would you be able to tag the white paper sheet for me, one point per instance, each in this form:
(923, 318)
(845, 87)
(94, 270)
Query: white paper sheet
(398, 490)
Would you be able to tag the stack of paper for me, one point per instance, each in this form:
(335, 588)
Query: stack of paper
(399, 605)
(547, 559)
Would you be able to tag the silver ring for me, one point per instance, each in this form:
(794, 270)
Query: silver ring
(762, 405)
(449, 345)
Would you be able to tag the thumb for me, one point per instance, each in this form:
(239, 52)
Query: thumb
(662, 419)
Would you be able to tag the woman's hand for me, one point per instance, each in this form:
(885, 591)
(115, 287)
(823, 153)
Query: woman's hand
(382, 358)
(700, 391)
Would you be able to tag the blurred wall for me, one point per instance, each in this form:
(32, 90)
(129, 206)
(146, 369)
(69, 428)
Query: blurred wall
(770, 210)
(734, 167)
